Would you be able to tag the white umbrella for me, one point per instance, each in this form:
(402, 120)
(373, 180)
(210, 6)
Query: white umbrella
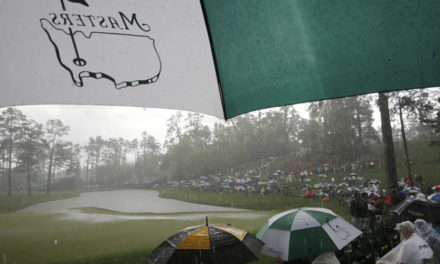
(305, 233)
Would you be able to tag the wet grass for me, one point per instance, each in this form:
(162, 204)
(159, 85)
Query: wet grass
(43, 238)
(251, 202)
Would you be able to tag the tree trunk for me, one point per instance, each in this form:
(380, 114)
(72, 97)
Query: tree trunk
(387, 137)
(49, 173)
(3, 170)
(405, 143)
(87, 170)
(361, 138)
(10, 166)
(10, 170)
(28, 176)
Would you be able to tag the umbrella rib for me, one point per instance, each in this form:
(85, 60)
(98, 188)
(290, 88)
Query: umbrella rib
(171, 244)
(214, 58)
(328, 223)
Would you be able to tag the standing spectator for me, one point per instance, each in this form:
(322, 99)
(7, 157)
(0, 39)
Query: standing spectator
(396, 196)
(419, 180)
(375, 208)
(403, 193)
(359, 211)
(425, 231)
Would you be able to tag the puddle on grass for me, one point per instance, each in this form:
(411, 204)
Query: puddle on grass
(125, 201)
(78, 216)
(145, 204)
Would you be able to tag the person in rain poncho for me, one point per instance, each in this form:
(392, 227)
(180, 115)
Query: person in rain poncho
(425, 231)
(326, 258)
(412, 250)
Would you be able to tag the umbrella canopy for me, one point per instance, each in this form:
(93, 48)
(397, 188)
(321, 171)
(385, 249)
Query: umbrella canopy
(418, 208)
(273, 181)
(366, 190)
(375, 181)
(208, 244)
(434, 197)
(436, 188)
(213, 57)
(305, 233)
(402, 185)
(353, 189)
(412, 189)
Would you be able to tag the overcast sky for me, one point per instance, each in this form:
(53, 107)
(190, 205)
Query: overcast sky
(112, 121)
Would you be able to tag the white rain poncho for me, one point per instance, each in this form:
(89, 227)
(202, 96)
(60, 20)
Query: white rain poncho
(432, 237)
(414, 250)
(326, 258)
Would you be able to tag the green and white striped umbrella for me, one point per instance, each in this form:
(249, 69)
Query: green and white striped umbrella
(305, 233)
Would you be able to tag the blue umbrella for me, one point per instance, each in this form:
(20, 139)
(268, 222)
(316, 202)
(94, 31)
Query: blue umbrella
(434, 197)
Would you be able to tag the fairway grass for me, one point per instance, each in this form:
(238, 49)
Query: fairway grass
(252, 202)
(43, 238)
(50, 238)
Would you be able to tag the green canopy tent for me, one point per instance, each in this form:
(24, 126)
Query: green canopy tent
(222, 58)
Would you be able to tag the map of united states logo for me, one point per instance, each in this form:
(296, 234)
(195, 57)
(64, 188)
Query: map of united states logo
(114, 47)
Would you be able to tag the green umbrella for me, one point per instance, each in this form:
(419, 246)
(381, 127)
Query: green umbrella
(305, 233)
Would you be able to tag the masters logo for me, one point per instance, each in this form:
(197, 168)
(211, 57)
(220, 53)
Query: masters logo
(102, 46)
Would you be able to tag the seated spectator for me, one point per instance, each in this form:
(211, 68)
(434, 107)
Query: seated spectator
(425, 231)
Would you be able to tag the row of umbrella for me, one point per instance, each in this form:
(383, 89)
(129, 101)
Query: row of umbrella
(293, 234)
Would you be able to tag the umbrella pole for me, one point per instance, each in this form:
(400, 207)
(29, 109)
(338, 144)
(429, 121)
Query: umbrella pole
(211, 248)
